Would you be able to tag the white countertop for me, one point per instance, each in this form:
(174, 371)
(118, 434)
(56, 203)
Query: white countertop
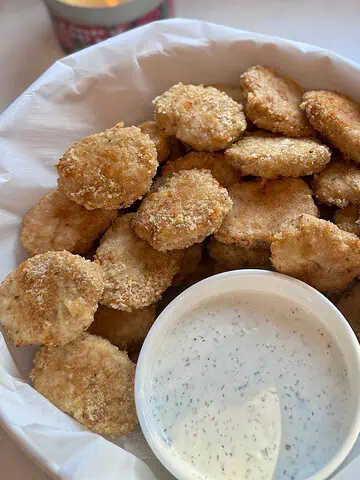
(28, 47)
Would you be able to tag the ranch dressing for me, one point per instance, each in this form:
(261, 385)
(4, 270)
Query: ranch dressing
(247, 387)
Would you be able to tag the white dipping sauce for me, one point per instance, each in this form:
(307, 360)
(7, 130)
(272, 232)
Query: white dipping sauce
(247, 387)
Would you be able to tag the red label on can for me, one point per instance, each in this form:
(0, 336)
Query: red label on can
(74, 37)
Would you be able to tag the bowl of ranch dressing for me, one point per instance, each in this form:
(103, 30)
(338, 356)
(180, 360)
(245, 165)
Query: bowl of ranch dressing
(250, 375)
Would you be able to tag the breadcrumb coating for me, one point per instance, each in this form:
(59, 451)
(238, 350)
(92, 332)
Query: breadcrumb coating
(189, 263)
(338, 184)
(162, 141)
(348, 219)
(317, 252)
(92, 381)
(202, 117)
(50, 299)
(57, 223)
(135, 274)
(273, 102)
(186, 208)
(234, 256)
(233, 91)
(260, 209)
(110, 169)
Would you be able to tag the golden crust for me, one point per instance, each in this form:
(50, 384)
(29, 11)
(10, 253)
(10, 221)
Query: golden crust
(110, 169)
(186, 208)
(337, 118)
(92, 381)
(162, 142)
(338, 184)
(125, 330)
(202, 117)
(348, 219)
(317, 252)
(50, 299)
(260, 209)
(234, 256)
(224, 173)
(271, 156)
(349, 306)
(233, 91)
(189, 263)
(273, 102)
(57, 223)
(135, 274)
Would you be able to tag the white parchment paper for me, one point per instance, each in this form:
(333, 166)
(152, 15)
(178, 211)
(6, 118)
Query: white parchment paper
(83, 94)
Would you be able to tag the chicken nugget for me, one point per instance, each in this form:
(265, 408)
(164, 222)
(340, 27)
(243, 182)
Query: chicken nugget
(135, 274)
(202, 117)
(91, 380)
(57, 223)
(224, 173)
(317, 252)
(349, 306)
(50, 299)
(188, 207)
(189, 263)
(235, 256)
(162, 141)
(233, 91)
(348, 219)
(259, 210)
(337, 118)
(271, 156)
(273, 102)
(125, 330)
(109, 170)
(338, 184)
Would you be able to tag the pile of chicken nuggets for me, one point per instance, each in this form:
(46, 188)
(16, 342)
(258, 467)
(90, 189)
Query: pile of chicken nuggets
(255, 175)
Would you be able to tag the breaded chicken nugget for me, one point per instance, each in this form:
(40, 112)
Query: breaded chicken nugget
(189, 263)
(349, 306)
(110, 170)
(259, 210)
(338, 184)
(337, 118)
(202, 117)
(135, 274)
(224, 173)
(158, 136)
(125, 330)
(50, 299)
(234, 256)
(348, 219)
(317, 252)
(92, 381)
(188, 207)
(273, 102)
(57, 223)
(233, 91)
(270, 156)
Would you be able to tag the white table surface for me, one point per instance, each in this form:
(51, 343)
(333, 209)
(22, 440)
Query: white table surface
(28, 47)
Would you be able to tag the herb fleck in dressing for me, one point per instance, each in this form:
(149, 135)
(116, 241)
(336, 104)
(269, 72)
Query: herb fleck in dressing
(247, 387)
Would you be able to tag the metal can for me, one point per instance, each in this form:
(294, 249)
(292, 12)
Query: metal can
(80, 23)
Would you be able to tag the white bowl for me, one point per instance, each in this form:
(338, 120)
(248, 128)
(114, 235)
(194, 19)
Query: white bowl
(328, 316)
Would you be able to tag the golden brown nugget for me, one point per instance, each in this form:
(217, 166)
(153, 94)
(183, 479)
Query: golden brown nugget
(189, 263)
(50, 299)
(162, 141)
(317, 252)
(91, 380)
(234, 256)
(125, 330)
(135, 274)
(57, 223)
(202, 117)
(338, 184)
(188, 207)
(349, 306)
(348, 219)
(271, 156)
(233, 91)
(337, 118)
(259, 210)
(224, 173)
(110, 170)
(273, 102)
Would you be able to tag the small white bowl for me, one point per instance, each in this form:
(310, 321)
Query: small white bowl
(329, 318)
